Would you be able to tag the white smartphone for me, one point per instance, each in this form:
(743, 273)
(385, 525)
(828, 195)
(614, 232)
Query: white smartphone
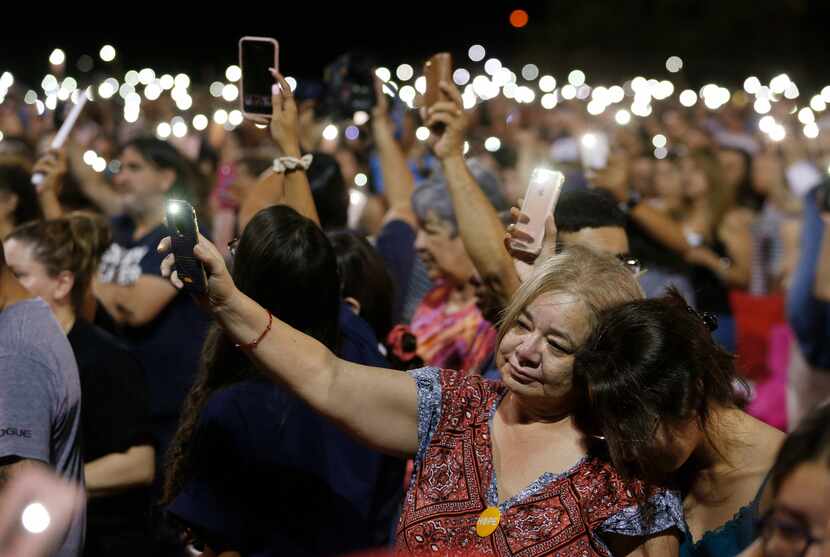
(594, 149)
(256, 55)
(539, 202)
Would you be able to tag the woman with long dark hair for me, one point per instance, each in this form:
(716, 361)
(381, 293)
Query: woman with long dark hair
(662, 393)
(252, 468)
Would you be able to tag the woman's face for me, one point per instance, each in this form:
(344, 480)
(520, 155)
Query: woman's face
(695, 183)
(667, 180)
(801, 510)
(442, 252)
(766, 173)
(642, 172)
(734, 167)
(30, 272)
(674, 445)
(536, 355)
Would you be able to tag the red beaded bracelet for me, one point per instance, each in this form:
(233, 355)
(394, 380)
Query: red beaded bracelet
(252, 345)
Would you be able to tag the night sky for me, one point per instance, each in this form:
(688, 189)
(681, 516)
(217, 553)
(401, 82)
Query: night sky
(719, 40)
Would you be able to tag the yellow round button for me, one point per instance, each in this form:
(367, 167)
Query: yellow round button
(488, 521)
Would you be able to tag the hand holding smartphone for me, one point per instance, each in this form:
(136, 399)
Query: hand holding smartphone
(184, 235)
(256, 55)
(539, 203)
(437, 69)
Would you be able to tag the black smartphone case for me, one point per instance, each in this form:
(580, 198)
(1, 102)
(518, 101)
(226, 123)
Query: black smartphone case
(183, 229)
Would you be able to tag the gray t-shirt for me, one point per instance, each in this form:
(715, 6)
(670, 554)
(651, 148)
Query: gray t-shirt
(40, 402)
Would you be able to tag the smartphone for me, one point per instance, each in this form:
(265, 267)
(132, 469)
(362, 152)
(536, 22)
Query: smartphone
(539, 202)
(256, 55)
(594, 149)
(184, 234)
(437, 69)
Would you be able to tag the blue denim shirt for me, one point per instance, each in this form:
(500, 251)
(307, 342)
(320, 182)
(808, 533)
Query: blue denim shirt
(808, 316)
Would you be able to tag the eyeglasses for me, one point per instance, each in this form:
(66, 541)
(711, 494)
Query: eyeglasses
(631, 263)
(232, 247)
(785, 535)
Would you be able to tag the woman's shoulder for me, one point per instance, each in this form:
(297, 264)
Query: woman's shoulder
(616, 505)
(461, 398)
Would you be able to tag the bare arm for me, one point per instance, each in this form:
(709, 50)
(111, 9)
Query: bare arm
(397, 178)
(822, 283)
(665, 544)
(478, 223)
(268, 190)
(138, 303)
(120, 471)
(298, 195)
(378, 406)
(655, 223)
(481, 230)
(10, 466)
(660, 226)
(736, 234)
(295, 191)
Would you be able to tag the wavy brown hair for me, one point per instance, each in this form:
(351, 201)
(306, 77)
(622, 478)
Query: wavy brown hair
(650, 363)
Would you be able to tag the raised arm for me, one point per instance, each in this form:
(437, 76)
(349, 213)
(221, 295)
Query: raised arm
(478, 223)
(615, 178)
(398, 180)
(269, 190)
(378, 406)
(53, 166)
(295, 190)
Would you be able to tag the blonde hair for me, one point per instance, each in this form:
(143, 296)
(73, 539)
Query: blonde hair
(600, 280)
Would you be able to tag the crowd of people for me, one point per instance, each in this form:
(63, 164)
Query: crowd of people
(378, 365)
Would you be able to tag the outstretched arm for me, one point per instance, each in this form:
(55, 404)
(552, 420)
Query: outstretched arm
(378, 406)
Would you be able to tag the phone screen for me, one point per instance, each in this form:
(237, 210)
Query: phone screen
(594, 150)
(255, 57)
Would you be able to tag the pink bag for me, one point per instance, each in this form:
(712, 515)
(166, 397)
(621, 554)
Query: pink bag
(770, 402)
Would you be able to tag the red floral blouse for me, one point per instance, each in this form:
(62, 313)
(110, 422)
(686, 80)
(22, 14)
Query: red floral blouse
(558, 514)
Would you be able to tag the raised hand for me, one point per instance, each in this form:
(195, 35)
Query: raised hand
(449, 142)
(220, 286)
(53, 166)
(284, 123)
(515, 237)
